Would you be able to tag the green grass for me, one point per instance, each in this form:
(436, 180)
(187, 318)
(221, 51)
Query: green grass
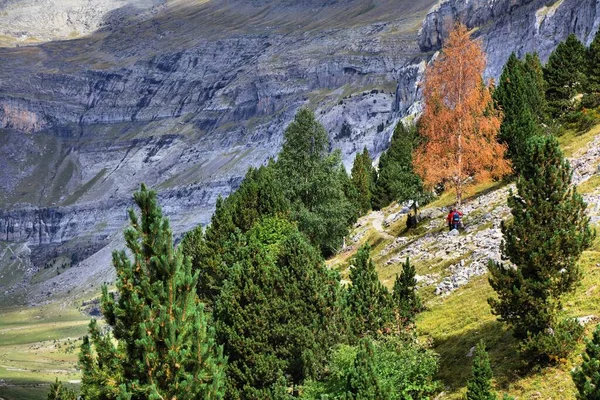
(38, 344)
(572, 142)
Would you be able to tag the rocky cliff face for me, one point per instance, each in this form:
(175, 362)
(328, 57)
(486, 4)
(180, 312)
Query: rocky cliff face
(506, 26)
(186, 95)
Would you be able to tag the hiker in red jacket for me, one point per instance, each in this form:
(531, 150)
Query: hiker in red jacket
(453, 219)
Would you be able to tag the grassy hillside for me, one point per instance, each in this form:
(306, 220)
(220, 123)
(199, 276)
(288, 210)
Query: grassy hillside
(40, 343)
(455, 322)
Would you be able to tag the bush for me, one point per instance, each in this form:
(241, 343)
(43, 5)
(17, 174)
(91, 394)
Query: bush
(404, 370)
(553, 345)
(582, 121)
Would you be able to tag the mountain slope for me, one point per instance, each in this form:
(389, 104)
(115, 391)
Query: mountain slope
(452, 276)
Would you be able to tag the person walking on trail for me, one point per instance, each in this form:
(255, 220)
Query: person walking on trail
(456, 216)
(450, 217)
(453, 219)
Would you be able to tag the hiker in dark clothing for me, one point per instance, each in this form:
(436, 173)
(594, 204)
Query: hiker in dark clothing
(449, 218)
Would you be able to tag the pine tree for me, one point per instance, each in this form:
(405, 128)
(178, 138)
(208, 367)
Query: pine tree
(565, 75)
(351, 194)
(593, 63)
(362, 381)
(587, 376)
(404, 293)
(310, 180)
(534, 72)
(259, 195)
(397, 180)
(479, 386)
(59, 392)
(160, 344)
(517, 96)
(363, 179)
(547, 235)
(278, 313)
(369, 301)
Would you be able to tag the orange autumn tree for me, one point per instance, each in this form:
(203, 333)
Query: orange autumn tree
(459, 123)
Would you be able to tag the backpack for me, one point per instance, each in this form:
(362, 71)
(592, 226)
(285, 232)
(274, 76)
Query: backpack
(456, 217)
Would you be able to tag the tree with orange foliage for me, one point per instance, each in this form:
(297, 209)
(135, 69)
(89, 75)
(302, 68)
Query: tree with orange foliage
(459, 124)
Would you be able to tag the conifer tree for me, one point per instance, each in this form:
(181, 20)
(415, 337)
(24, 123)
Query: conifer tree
(310, 181)
(369, 302)
(517, 96)
(260, 194)
(404, 293)
(534, 71)
(160, 344)
(593, 63)
(397, 180)
(587, 376)
(479, 386)
(59, 392)
(363, 178)
(362, 381)
(351, 194)
(278, 313)
(565, 75)
(547, 235)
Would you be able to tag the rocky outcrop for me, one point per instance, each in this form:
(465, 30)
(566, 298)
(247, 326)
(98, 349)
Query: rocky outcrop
(506, 26)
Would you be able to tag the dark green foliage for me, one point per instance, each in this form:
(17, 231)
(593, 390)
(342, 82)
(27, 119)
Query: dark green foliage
(362, 382)
(259, 194)
(369, 302)
(534, 72)
(400, 370)
(160, 345)
(565, 74)
(593, 64)
(310, 180)
(397, 180)
(351, 194)
(479, 386)
(519, 96)
(553, 344)
(59, 392)
(363, 179)
(548, 233)
(278, 312)
(404, 294)
(587, 376)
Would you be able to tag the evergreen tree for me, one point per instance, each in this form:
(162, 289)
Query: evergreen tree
(310, 180)
(593, 62)
(565, 75)
(362, 381)
(278, 313)
(479, 386)
(363, 178)
(534, 72)
(397, 180)
(369, 301)
(351, 194)
(59, 392)
(406, 299)
(160, 344)
(587, 376)
(517, 96)
(259, 194)
(549, 231)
